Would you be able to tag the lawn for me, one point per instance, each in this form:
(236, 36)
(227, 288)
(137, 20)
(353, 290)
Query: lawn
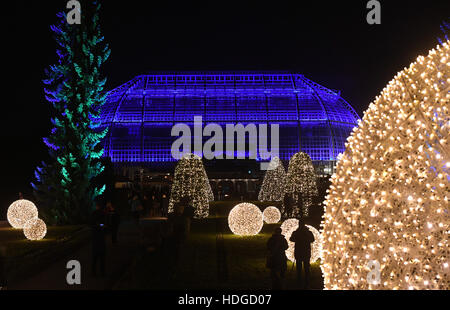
(25, 257)
(17, 245)
(214, 258)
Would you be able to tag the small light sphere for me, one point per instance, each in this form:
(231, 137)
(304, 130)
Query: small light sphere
(20, 212)
(35, 229)
(291, 225)
(245, 219)
(271, 215)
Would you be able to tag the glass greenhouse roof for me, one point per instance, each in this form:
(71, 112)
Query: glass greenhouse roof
(140, 113)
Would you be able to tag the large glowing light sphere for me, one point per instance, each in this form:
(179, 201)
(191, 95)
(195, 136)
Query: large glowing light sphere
(245, 219)
(291, 225)
(35, 229)
(386, 223)
(20, 212)
(271, 215)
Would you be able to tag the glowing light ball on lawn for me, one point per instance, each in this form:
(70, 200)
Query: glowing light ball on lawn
(291, 225)
(386, 223)
(35, 229)
(20, 212)
(271, 215)
(245, 219)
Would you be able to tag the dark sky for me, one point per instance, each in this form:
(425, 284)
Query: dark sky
(327, 41)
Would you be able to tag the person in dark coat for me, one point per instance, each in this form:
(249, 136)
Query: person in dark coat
(164, 205)
(302, 238)
(288, 204)
(177, 236)
(113, 221)
(276, 260)
(98, 224)
(3, 283)
(188, 213)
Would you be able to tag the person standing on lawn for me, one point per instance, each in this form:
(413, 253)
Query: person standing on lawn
(2, 268)
(113, 219)
(276, 259)
(98, 224)
(188, 213)
(302, 238)
(164, 205)
(177, 236)
(136, 208)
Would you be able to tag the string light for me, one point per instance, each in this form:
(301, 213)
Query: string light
(21, 211)
(274, 183)
(245, 219)
(271, 215)
(301, 183)
(191, 180)
(291, 225)
(389, 198)
(35, 229)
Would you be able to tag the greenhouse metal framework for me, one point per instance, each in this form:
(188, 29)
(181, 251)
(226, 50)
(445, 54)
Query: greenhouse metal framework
(140, 114)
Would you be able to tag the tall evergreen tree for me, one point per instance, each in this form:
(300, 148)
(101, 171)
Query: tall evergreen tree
(74, 88)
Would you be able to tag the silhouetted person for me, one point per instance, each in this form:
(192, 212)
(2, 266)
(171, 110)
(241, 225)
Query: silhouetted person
(136, 208)
(146, 205)
(3, 283)
(302, 238)
(164, 205)
(288, 204)
(188, 214)
(177, 234)
(98, 223)
(113, 220)
(276, 259)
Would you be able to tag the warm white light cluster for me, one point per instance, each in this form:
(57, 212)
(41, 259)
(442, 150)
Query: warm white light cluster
(273, 186)
(388, 206)
(20, 212)
(245, 219)
(35, 229)
(271, 215)
(23, 214)
(190, 180)
(301, 183)
(291, 225)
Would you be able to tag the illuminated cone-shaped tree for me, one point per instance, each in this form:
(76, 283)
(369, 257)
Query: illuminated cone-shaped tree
(190, 181)
(301, 183)
(386, 222)
(74, 87)
(273, 186)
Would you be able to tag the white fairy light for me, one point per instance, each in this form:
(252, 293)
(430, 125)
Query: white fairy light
(191, 180)
(401, 148)
(301, 183)
(271, 215)
(273, 186)
(35, 229)
(245, 219)
(20, 212)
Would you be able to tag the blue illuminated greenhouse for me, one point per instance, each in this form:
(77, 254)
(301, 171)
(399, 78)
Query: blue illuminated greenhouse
(141, 113)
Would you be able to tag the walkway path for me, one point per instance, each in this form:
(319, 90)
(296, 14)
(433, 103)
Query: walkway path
(118, 258)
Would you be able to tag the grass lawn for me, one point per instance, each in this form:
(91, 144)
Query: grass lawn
(214, 258)
(25, 257)
(17, 245)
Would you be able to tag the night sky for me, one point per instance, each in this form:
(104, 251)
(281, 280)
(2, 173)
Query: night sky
(328, 41)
